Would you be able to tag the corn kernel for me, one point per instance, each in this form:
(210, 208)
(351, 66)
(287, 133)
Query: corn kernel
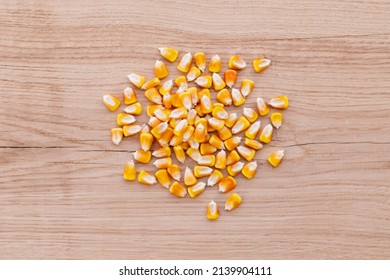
(218, 82)
(207, 160)
(160, 69)
(130, 172)
(276, 119)
(200, 61)
(247, 87)
(166, 137)
(163, 163)
(169, 54)
(179, 113)
(204, 91)
(174, 171)
(262, 107)
(150, 109)
(230, 77)
(197, 189)
(200, 133)
(185, 146)
(260, 64)
(176, 101)
(153, 122)
(266, 134)
(215, 64)
(207, 149)
(233, 201)
(116, 135)
(146, 178)
(276, 158)
(111, 102)
(136, 80)
(206, 104)
(279, 102)
(163, 178)
(237, 97)
(202, 171)
(134, 109)
(124, 119)
(232, 143)
(176, 140)
(178, 189)
(236, 63)
(159, 130)
(146, 140)
(198, 109)
(193, 73)
(193, 144)
(186, 99)
(253, 144)
(166, 88)
(193, 91)
(225, 97)
(253, 130)
(215, 177)
(216, 142)
(231, 120)
(189, 177)
(249, 170)
(216, 123)
(181, 127)
(204, 81)
(185, 63)
(241, 125)
(145, 128)
(181, 83)
(132, 129)
(142, 156)
(219, 112)
(188, 133)
(162, 152)
(247, 153)
(152, 83)
(227, 184)
(179, 153)
(193, 153)
(191, 116)
(153, 95)
(129, 96)
(224, 133)
(236, 168)
(212, 211)
(162, 114)
(250, 114)
(232, 158)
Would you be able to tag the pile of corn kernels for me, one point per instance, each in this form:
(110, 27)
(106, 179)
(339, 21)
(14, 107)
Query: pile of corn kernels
(195, 126)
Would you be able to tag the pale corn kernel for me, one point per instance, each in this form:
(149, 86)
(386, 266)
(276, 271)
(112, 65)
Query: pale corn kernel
(215, 177)
(163, 163)
(232, 143)
(200, 133)
(111, 102)
(194, 154)
(253, 144)
(233, 201)
(197, 189)
(189, 177)
(253, 130)
(276, 119)
(276, 158)
(220, 160)
(185, 63)
(166, 137)
(230, 77)
(179, 113)
(218, 82)
(266, 134)
(129, 96)
(176, 140)
(212, 211)
(146, 178)
(204, 81)
(136, 80)
(202, 171)
(186, 99)
(166, 87)
(237, 97)
(160, 69)
(169, 54)
(151, 83)
(234, 169)
(150, 109)
(260, 64)
(241, 124)
(153, 122)
(181, 127)
(162, 114)
(162, 152)
(207, 160)
(174, 171)
(176, 101)
(142, 156)
(145, 129)
(247, 87)
(124, 119)
(204, 91)
(191, 116)
(215, 64)
(227, 184)
(153, 95)
(134, 109)
(224, 133)
(146, 140)
(216, 142)
(250, 114)
(219, 112)
(207, 149)
(206, 104)
(232, 158)
(188, 133)
(178, 189)
(193, 144)
(279, 102)
(132, 129)
(116, 135)
(247, 153)
(249, 170)
(163, 178)
(179, 153)
(130, 172)
(231, 120)
(216, 123)
(262, 107)
(200, 61)
(193, 73)
(159, 130)
(236, 63)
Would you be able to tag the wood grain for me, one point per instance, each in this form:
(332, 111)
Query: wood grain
(61, 191)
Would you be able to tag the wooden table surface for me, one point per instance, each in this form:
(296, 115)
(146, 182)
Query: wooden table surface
(62, 195)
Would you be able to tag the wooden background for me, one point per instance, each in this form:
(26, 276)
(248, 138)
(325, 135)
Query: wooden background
(61, 191)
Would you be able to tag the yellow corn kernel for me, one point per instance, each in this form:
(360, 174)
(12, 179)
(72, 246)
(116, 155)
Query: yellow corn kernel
(173, 122)
(260, 64)
(207, 149)
(253, 144)
(201, 121)
(215, 177)
(142, 156)
(233, 201)
(185, 146)
(202, 171)
(231, 120)
(230, 77)
(162, 114)
(163, 163)
(159, 130)
(163, 178)
(197, 189)
(227, 184)
(198, 109)
(193, 144)
(253, 130)
(234, 169)
(162, 152)
(124, 119)
(129, 173)
(153, 96)
(276, 119)
(145, 128)
(224, 133)
(247, 87)
(166, 137)
(249, 170)
(153, 122)
(219, 112)
(111, 102)
(204, 91)
(218, 82)
(116, 135)
(180, 127)
(185, 63)
(169, 54)
(206, 104)
(178, 189)
(176, 140)
(200, 61)
(216, 142)
(276, 158)
(212, 211)
(200, 133)
(179, 113)
(232, 158)
(188, 133)
(266, 134)
(193, 91)
(232, 143)
(146, 178)
(176, 101)
(136, 80)
(216, 123)
(146, 140)
(194, 154)
(215, 64)
(220, 160)
(237, 97)
(166, 87)
(225, 97)
(189, 177)
(191, 116)
(152, 83)
(151, 108)
(174, 171)
(210, 129)
(241, 124)
(181, 83)
(129, 96)
(207, 160)
(179, 153)
(134, 109)
(279, 102)
(132, 129)
(247, 153)
(250, 114)
(160, 69)
(186, 99)
(204, 81)
(236, 63)
(262, 107)
(193, 73)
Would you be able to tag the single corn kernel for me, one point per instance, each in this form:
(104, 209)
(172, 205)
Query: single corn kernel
(202, 171)
(247, 87)
(212, 211)
(142, 156)
(153, 122)
(194, 154)
(150, 109)
(132, 129)
(129, 173)
(216, 142)
(160, 69)
(111, 102)
(146, 140)
(152, 83)
(163, 163)
(218, 82)
(236, 63)
(181, 83)
(134, 109)
(224, 133)
(159, 130)
(206, 104)
(253, 130)
(220, 160)
(153, 95)
(162, 114)
(193, 144)
(188, 133)
(215, 64)
(202, 121)
(279, 102)
(180, 127)
(247, 153)
(253, 144)
(241, 125)
(185, 63)
(276, 119)
(193, 91)
(162, 152)
(232, 158)
(145, 128)
(225, 97)
(230, 77)
(163, 178)
(185, 146)
(136, 80)
(124, 119)
(186, 99)
(207, 160)
(232, 143)
(176, 101)
(236, 168)
(189, 177)
(176, 140)
(262, 106)
(237, 97)
(191, 116)
(200, 61)
(166, 137)
(233, 201)
(179, 153)
(193, 73)
(266, 134)
(260, 64)
(129, 96)
(204, 91)
(215, 177)
(227, 184)
(178, 189)
(116, 135)
(219, 112)
(276, 158)
(249, 170)
(204, 81)
(216, 123)
(179, 113)
(174, 171)
(250, 114)
(231, 120)
(200, 133)
(166, 87)
(169, 54)
(198, 109)
(146, 178)
(197, 189)
(207, 149)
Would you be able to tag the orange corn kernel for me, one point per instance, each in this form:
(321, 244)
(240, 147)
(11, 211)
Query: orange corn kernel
(180, 127)
(136, 80)
(215, 64)
(279, 102)
(175, 100)
(116, 135)
(188, 133)
(232, 143)
(111, 102)
(233, 201)
(224, 133)
(219, 112)
(204, 81)
(130, 172)
(185, 63)
(225, 97)
(206, 104)
(236, 63)
(191, 116)
(220, 160)
(174, 171)
(159, 130)
(152, 83)
(163, 178)
(262, 107)
(216, 142)
(237, 97)
(202, 171)
(142, 156)
(276, 158)
(207, 160)
(179, 113)
(193, 153)
(146, 140)
(212, 211)
(200, 133)
(186, 100)
(200, 61)
(124, 119)
(260, 64)
(163, 163)
(232, 158)
(181, 83)
(166, 137)
(266, 134)
(150, 109)
(241, 125)
(227, 184)
(250, 114)
(249, 170)
(169, 54)
(166, 87)
(197, 189)
(160, 69)
(216, 123)
(204, 91)
(207, 149)
(247, 87)
(132, 129)
(129, 96)
(153, 122)
(176, 140)
(230, 77)
(189, 177)
(178, 189)
(236, 168)
(162, 152)
(218, 82)
(146, 178)
(247, 153)
(253, 144)
(276, 119)
(215, 177)
(179, 153)
(162, 114)
(231, 120)
(134, 109)
(193, 73)
(253, 130)
(153, 95)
